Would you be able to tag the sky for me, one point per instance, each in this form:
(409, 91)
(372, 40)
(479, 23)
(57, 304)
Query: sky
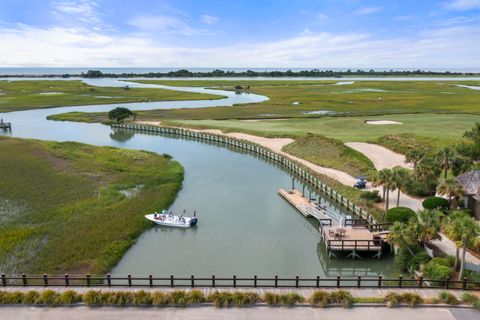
(412, 34)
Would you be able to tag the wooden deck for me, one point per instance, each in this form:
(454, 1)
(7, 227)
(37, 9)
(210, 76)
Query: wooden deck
(304, 205)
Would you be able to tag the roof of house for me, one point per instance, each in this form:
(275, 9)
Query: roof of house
(470, 181)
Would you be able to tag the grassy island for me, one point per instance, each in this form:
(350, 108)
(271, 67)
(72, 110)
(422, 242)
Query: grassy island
(34, 94)
(70, 207)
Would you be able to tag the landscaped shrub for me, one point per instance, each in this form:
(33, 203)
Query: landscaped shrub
(411, 299)
(118, 298)
(373, 196)
(142, 298)
(436, 271)
(271, 298)
(319, 299)
(342, 297)
(418, 188)
(92, 298)
(471, 299)
(13, 297)
(447, 262)
(392, 299)
(292, 298)
(69, 297)
(48, 297)
(221, 298)
(159, 298)
(401, 214)
(240, 299)
(447, 298)
(30, 297)
(436, 203)
(178, 298)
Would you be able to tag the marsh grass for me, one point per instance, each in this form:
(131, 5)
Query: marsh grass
(393, 299)
(71, 191)
(27, 94)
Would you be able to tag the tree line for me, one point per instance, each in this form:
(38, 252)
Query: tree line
(217, 73)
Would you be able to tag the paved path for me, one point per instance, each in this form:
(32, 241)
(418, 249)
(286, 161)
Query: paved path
(208, 313)
(448, 246)
(380, 156)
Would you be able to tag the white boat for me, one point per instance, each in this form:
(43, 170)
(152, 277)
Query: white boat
(169, 219)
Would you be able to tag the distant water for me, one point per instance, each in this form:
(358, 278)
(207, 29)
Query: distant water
(60, 71)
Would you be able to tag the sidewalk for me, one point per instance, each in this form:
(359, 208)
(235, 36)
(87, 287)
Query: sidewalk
(261, 313)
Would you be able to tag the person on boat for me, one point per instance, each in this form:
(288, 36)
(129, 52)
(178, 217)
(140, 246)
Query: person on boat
(170, 214)
(155, 216)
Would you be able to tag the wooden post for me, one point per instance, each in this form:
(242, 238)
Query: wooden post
(213, 281)
(464, 284)
(420, 282)
(24, 279)
(293, 183)
(192, 279)
(4, 280)
(359, 281)
(318, 282)
(129, 280)
(447, 283)
(379, 280)
(338, 281)
(45, 280)
(171, 281)
(150, 280)
(276, 281)
(303, 191)
(296, 281)
(255, 281)
(234, 281)
(67, 280)
(109, 280)
(309, 195)
(88, 279)
(400, 280)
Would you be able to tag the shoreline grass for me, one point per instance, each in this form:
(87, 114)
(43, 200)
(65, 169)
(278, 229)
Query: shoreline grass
(71, 207)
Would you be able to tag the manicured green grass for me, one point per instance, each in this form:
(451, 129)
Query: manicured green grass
(330, 153)
(436, 130)
(32, 94)
(64, 206)
(359, 98)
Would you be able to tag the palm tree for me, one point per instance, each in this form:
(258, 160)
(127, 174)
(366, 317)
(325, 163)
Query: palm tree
(468, 232)
(399, 236)
(399, 180)
(454, 231)
(446, 156)
(380, 179)
(427, 226)
(389, 185)
(451, 188)
(414, 156)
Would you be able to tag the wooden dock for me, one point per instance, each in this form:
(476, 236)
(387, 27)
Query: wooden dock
(352, 236)
(5, 125)
(305, 206)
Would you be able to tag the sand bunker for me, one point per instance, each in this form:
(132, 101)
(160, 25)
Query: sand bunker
(382, 122)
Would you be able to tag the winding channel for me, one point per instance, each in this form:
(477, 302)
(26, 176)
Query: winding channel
(245, 228)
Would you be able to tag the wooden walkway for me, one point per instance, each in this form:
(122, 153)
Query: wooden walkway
(306, 207)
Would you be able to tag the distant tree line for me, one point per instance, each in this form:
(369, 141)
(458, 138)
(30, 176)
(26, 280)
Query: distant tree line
(184, 73)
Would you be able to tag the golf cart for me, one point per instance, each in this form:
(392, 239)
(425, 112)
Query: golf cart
(360, 182)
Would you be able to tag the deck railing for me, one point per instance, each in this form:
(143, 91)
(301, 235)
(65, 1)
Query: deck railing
(108, 281)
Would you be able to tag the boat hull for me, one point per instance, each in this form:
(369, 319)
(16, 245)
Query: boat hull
(172, 221)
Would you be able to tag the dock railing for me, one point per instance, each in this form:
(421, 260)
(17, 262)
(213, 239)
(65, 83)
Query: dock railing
(109, 281)
(286, 162)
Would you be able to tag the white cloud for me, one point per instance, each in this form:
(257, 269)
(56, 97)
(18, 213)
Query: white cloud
(367, 10)
(208, 19)
(76, 12)
(24, 45)
(462, 5)
(165, 24)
